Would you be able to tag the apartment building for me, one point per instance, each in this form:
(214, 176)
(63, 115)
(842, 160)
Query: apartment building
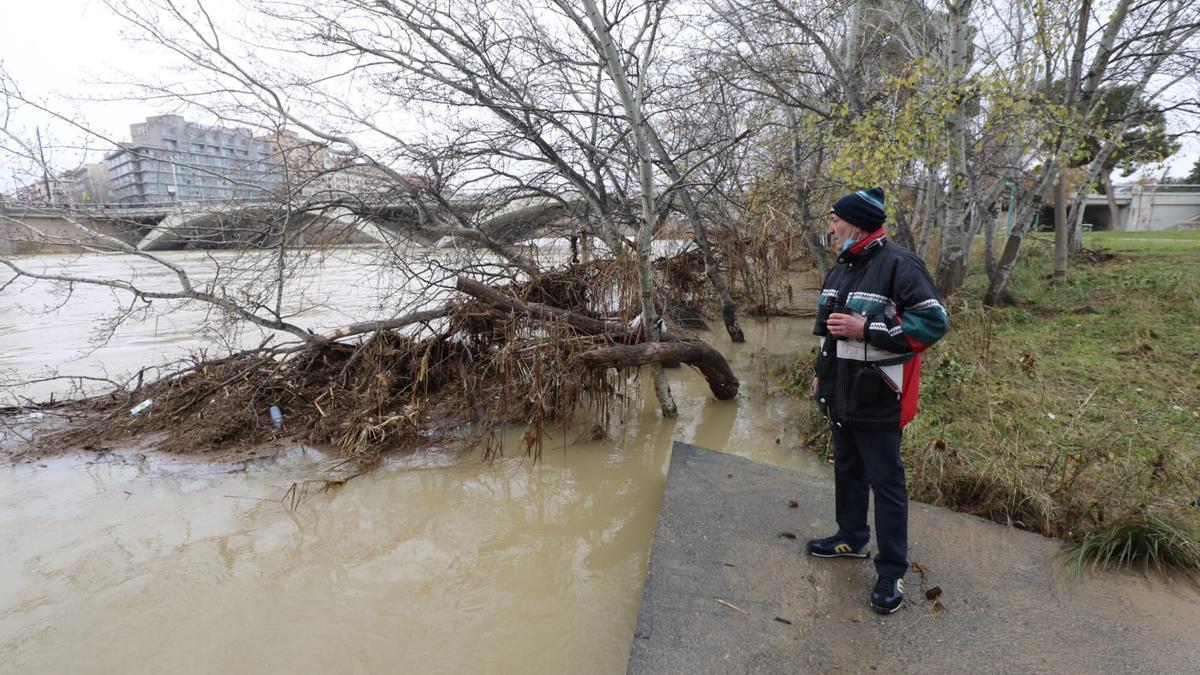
(169, 159)
(49, 190)
(89, 185)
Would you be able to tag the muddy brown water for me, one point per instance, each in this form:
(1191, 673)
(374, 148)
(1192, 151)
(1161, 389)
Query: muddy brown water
(432, 563)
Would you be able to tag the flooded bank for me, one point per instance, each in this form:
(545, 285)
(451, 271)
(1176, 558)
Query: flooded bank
(429, 564)
(50, 328)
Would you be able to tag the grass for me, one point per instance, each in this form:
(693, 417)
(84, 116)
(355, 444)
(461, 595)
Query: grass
(1076, 413)
(1171, 243)
(1147, 542)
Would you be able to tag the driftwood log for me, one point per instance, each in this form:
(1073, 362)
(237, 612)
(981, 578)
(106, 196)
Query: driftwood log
(696, 353)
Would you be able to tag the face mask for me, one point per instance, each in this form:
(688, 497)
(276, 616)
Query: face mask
(847, 244)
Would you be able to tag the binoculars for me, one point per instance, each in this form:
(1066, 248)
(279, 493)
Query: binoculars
(823, 316)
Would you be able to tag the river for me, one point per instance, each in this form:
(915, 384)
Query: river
(432, 563)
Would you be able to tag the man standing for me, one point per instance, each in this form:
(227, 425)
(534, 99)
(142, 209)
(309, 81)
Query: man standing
(878, 311)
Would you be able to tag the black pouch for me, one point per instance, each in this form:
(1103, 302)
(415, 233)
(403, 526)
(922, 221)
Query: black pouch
(868, 385)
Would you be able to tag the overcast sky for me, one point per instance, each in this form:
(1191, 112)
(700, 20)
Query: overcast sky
(63, 47)
(59, 49)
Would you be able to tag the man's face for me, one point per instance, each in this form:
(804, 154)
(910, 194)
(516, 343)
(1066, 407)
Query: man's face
(840, 231)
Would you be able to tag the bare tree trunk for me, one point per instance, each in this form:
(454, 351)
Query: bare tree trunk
(952, 263)
(634, 115)
(998, 293)
(711, 269)
(1114, 214)
(989, 244)
(1075, 243)
(388, 324)
(802, 200)
(1061, 229)
(904, 233)
(956, 231)
(850, 54)
(932, 193)
(918, 214)
(721, 380)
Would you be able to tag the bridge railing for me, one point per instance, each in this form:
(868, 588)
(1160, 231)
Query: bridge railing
(117, 209)
(126, 206)
(1133, 188)
(134, 209)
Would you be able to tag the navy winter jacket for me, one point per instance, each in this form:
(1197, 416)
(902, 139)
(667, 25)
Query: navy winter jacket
(874, 382)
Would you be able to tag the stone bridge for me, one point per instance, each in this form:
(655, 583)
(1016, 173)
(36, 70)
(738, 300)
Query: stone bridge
(164, 227)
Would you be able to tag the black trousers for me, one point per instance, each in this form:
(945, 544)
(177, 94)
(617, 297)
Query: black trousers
(866, 461)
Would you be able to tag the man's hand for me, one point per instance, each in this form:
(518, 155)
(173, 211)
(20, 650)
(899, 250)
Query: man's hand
(815, 386)
(846, 325)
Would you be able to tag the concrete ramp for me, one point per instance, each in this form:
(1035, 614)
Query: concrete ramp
(726, 592)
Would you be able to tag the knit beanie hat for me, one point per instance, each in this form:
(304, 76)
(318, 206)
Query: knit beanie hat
(862, 209)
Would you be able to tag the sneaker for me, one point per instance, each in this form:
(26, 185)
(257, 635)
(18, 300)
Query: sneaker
(835, 547)
(888, 595)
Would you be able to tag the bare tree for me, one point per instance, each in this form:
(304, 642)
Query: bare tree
(956, 231)
(539, 122)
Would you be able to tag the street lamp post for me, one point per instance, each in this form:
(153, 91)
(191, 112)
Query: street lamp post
(174, 179)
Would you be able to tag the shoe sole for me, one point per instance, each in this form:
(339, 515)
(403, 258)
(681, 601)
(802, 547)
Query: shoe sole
(884, 610)
(863, 555)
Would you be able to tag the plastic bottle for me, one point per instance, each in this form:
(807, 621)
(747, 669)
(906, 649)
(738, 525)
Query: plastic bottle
(141, 407)
(276, 417)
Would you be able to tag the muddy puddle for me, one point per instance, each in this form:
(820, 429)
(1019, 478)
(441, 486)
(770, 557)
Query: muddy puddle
(433, 563)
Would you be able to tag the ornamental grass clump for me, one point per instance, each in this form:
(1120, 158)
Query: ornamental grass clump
(1141, 541)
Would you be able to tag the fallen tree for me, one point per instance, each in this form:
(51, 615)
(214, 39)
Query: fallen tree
(700, 355)
(669, 348)
(539, 353)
